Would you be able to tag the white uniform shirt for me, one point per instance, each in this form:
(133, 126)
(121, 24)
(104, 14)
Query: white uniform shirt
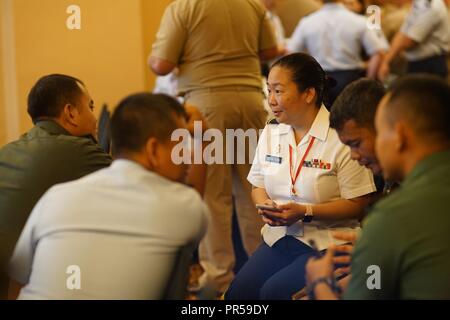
(123, 226)
(335, 37)
(327, 175)
(427, 23)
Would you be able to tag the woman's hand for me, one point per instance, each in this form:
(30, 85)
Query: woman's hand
(265, 214)
(290, 214)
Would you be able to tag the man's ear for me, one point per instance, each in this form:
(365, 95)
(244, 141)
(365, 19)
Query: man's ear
(310, 95)
(152, 152)
(402, 136)
(70, 114)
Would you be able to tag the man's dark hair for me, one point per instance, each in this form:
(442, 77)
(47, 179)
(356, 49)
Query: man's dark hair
(357, 102)
(50, 94)
(141, 116)
(306, 73)
(424, 100)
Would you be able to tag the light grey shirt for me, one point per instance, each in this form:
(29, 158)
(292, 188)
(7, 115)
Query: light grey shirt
(428, 24)
(122, 227)
(336, 37)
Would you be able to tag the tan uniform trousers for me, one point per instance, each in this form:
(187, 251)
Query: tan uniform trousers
(228, 108)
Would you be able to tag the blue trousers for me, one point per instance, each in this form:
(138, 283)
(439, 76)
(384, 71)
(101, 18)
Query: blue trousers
(436, 65)
(343, 79)
(272, 273)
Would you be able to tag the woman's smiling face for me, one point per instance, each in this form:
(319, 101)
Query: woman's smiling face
(285, 100)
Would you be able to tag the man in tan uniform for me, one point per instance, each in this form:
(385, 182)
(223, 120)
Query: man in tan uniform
(394, 13)
(216, 45)
(292, 11)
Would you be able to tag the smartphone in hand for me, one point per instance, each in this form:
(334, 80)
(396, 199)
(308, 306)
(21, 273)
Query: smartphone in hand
(268, 208)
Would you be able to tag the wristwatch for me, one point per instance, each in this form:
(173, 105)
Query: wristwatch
(308, 217)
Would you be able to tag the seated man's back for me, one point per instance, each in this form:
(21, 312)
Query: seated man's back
(122, 226)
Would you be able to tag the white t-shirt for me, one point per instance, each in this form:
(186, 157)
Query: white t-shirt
(328, 174)
(122, 226)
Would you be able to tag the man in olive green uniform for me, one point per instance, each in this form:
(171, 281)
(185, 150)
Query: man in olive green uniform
(404, 248)
(216, 45)
(59, 148)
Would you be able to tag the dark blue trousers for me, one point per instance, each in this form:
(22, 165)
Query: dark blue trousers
(436, 65)
(272, 273)
(343, 79)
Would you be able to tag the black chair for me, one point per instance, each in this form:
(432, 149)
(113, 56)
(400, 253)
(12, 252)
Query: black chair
(177, 287)
(104, 131)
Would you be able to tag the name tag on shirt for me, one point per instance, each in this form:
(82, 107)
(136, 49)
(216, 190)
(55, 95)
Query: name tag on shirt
(273, 159)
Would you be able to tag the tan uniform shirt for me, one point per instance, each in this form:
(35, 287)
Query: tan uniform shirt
(215, 43)
(392, 19)
(292, 11)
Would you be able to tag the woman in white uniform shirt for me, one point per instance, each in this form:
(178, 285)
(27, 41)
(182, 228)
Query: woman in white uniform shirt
(303, 169)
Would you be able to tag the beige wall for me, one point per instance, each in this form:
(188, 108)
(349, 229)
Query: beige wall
(152, 11)
(106, 53)
(8, 118)
(109, 53)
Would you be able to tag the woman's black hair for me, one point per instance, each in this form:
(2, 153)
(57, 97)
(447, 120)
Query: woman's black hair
(307, 73)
